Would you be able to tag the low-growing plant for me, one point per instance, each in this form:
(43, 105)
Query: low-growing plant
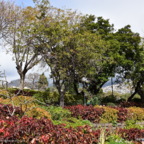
(72, 122)
(132, 124)
(38, 113)
(30, 130)
(57, 113)
(122, 114)
(46, 97)
(109, 115)
(116, 139)
(136, 113)
(86, 112)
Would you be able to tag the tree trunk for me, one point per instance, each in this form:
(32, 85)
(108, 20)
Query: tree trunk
(137, 88)
(22, 79)
(141, 93)
(61, 102)
(130, 98)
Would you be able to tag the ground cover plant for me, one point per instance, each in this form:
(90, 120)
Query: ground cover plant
(76, 120)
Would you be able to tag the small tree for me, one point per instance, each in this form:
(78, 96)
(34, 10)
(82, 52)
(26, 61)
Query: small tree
(32, 80)
(42, 82)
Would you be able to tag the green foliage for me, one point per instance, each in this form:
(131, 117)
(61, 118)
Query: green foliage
(46, 97)
(136, 113)
(57, 113)
(73, 99)
(116, 139)
(42, 82)
(38, 113)
(72, 122)
(111, 104)
(132, 124)
(110, 98)
(109, 115)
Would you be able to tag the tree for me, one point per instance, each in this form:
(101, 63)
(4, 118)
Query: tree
(57, 27)
(130, 65)
(22, 39)
(7, 9)
(105, 30)
(42, 82)
(32, 80)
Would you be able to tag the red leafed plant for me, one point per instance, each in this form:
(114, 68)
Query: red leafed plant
(122, 114)
(86, 112)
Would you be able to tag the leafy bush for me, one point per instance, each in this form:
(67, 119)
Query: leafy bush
(122, 114)
(86, 112)
(72, 122)
(57, 113)
(111, 104)
(46, 97)
(132, 124)
(109, 115)
(136, 113)
(38, 113)
(30, 130)
(116, 139)
(25, 92)
(131, 104)
(6, 111)
(131, 134)
(3, 93)
(28, 106)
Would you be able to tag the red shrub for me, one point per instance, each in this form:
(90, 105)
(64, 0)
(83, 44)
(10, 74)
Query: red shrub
(122, 114)
(131, 134)
(6, 111)
(86, 112)
(33, 130)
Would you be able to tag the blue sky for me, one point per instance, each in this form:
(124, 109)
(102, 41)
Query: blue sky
(119, 12)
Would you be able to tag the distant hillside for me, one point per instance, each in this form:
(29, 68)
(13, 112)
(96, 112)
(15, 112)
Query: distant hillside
(16, 83)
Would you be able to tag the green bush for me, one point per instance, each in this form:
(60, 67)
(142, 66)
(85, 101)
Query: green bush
(136, 113)
(72, 122)
(132, 124)
(57, 113)
(73, 99)
(116, 139)
(46, 97)
(109, 115)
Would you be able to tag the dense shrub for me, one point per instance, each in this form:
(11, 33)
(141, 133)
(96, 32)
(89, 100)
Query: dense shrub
(86, 112)
(47, 97)
(131, 134)
(25, 92)
(109, 115)
(136, 113)
(7, 110)
(122, 114)
(57, 113)
(72, 122)
(28, 106)
(131, 104)
(31, 130)
(38, 113)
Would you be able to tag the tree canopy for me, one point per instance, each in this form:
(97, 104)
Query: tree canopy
(82, 51)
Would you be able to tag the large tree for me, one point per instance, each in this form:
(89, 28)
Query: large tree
(130, 66)
(7, 10)
(23, 42)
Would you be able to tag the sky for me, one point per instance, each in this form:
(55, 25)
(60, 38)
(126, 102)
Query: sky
(119, 13)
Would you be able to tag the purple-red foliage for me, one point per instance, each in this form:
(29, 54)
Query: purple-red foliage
(122, 114)
(86, 112)
(6, 110)
(131, 104)
(131, 134)
(31, 130)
